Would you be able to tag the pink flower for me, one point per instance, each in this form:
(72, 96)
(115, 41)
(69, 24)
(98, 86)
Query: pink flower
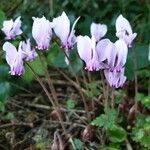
(14, 58)
(28, 54)
(98, 30)
(114, 78)
(66, 35)
(90, 52)
(114, 55)
(124, 30)
(42, 32)
(12, 28)
(63, 31)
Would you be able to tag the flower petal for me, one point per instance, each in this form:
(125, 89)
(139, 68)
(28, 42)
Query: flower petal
(17, 26)
(42, 32)
(84, 48)
(11, 52)
(72, 38)
(103, 49)
(62, 27)
(122, 24)
(98, 30)
(122, 52)
(124, 30)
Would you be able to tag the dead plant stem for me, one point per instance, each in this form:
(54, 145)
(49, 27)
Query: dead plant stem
(49, 97)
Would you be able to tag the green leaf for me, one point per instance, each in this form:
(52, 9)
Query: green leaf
(145, 100)
(141, 52)
(107, 120)
(2, 18)
(27, 75)
(75, 63)
(141, 131)
(3, 72)
(37, 67)
(4, 90)
(9, 116)
(71, 104)
(2, 106)
(92, 90)
(56, 56)
(117, 134)
(77, 143)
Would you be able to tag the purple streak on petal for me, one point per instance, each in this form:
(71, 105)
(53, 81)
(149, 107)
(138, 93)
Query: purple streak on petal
(42, 32)
(87, 52)
(124, 30)
(12, 29)
(62, 27)
(115, 79)
(103, 49)
(28, 53)
(14, 59)
(122, 52)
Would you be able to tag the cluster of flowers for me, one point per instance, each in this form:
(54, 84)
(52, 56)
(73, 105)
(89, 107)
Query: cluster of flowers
(97, 52)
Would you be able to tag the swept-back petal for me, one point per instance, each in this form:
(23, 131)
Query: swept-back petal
(7, 26)
(103, 49)
(72, 38)
(62, 27)
(11, 52)
(122, 24)
(122, 52)
(17, 26)
(42, 32)
(84, 48)
(98, 30)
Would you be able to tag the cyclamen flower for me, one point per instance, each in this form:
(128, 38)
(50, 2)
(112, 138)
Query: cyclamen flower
(124, 30)
(90, 52)
(28, 53)
(14, 58)
(98, 30)
(66, 35)
(42, 32)
(114, 55)
(115, 79)
(12, 28)
(63, 31)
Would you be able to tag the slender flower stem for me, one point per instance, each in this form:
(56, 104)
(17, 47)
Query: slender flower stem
(80, 89)
(136, 79)
(92, 99)
(49, 97)
(50, 84)
(112, 98)
(104, 91)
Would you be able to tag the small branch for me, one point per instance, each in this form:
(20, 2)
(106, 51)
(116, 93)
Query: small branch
(40, 106)
(105, 102)
(128, 145)
(136, 78)
(16, 124)
(70, 80)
